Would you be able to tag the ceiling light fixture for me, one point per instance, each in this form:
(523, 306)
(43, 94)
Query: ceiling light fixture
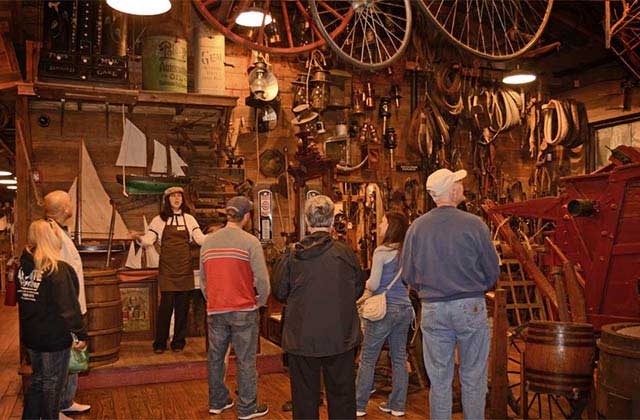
(5, 173)
(519, 77)
(12, 187)
(141, 7)
(253, 17)
(8, 181)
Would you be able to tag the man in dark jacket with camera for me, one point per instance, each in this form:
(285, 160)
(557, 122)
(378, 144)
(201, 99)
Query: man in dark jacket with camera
(320, 280)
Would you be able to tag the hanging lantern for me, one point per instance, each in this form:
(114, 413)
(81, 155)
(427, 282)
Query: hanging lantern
(299, 91)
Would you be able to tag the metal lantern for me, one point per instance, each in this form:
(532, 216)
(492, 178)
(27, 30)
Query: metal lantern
(319, 84)
(299, 91)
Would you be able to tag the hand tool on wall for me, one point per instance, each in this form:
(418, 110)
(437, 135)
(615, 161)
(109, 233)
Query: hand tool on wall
(390, 143)
(383, 112)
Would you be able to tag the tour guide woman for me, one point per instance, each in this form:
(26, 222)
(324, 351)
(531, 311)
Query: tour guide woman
(173, 229)
(49, 315)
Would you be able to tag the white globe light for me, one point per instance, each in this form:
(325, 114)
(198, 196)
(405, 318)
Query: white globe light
(252, 18)
(141, 7)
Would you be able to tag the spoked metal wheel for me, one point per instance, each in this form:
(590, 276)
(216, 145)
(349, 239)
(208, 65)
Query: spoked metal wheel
(292, 30)
(540, 406)
(491, 29)
(377, 35)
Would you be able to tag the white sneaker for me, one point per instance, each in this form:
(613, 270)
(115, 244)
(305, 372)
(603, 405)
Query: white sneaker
(229, 404)
(61, 416)
(361, 413)
(76, 408)
(384, 407)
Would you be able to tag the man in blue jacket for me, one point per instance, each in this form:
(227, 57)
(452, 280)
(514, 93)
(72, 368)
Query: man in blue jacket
(449, 258)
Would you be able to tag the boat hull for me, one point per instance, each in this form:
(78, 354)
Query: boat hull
(151, 185)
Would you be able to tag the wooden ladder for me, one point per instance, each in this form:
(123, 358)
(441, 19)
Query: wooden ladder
(524, 302)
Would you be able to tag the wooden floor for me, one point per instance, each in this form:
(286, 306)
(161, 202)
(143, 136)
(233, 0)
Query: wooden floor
(140, 353)
(189, 400)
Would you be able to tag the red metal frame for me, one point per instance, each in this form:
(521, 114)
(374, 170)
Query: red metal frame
(605, 246)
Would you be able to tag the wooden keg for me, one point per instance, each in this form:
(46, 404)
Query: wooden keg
(559, 358)
(618, 393)
(104, 316)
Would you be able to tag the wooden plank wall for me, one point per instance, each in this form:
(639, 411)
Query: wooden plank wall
(55, 154)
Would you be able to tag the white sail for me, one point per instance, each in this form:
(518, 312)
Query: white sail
(133, 149)
(134, 259)
(96, 205)
(176, 163)
(153, 258)
(159, 164)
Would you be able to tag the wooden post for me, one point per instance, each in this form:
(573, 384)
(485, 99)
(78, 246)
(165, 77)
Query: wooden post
(575, 293)
(3, 273)
(524, 398)
(499, 358)
(563, 310)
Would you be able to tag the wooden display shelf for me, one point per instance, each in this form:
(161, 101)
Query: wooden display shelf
(69, 91)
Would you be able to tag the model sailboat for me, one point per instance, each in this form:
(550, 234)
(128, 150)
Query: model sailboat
(134, 259)
(133, 153)
(91, 206)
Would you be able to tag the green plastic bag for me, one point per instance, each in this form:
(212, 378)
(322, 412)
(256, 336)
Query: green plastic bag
(79, 360)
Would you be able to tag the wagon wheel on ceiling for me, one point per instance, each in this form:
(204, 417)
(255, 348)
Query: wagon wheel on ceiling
(491, 29)
(376, 36)
(541, 406)
(291, 32)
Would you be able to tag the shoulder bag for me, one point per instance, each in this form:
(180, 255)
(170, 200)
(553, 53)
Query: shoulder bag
(375, 307)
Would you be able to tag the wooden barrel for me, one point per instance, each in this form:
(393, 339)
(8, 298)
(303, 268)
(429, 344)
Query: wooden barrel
(104, 316)
(559, 357)
(618, 393)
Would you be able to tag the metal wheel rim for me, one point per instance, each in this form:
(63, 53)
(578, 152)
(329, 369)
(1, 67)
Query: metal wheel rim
(201, 6)
(427, 6)
(364, 9)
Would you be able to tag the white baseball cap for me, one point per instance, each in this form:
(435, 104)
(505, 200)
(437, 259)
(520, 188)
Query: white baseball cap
(442, 180)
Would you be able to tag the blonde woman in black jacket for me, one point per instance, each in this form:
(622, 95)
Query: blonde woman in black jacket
(49, 314)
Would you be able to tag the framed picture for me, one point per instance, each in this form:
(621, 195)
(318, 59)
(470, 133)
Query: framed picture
(139, 307)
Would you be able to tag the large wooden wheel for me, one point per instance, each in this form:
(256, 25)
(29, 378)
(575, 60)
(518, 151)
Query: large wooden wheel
(491, 29)
(291, 32)
(376, 36)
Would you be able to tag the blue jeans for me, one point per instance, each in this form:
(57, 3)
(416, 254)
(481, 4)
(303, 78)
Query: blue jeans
(444, 324)
(239, 328)
(69, 390)
(49, 376)
(395, 326)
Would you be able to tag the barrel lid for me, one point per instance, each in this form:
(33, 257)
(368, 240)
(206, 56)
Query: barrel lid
(624, 334)
(633, 331)
(99, 272)
(560, 324)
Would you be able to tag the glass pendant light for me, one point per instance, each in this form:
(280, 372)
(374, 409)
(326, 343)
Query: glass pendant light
(141, 7)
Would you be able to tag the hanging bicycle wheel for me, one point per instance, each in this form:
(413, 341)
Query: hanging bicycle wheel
(289, 30)
(491, 29)
(375, 37)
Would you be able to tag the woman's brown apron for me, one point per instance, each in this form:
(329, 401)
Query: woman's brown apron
(175, 273)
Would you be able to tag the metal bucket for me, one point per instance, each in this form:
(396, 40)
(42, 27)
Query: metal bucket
(164, 63)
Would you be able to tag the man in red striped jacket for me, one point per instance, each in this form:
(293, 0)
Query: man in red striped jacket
(235, 283)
